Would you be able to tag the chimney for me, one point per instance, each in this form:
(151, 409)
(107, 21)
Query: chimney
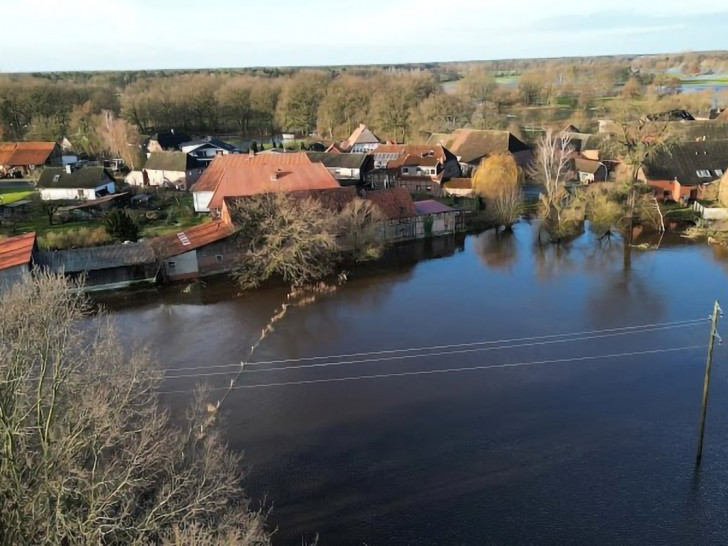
(251, 152)
(274, 175)
(69, 169)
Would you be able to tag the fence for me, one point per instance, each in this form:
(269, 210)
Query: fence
(710, 213)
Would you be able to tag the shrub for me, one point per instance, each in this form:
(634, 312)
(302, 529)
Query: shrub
(74, 238)
(120, 225)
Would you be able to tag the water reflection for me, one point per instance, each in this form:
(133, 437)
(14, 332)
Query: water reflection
(497, 249)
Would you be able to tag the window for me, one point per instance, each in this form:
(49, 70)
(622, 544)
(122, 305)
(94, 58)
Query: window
(703, 174)
(405, 170)
(218, 258)
(170, 265)
(79, 193)
(56, 178)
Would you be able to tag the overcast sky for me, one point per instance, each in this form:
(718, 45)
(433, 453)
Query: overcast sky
(39, 35)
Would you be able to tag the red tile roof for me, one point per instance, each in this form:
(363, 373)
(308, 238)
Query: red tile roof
(16, 250)
(213, 174)
(178, 243)
(18, 154)
(256, 179)
(395, 203)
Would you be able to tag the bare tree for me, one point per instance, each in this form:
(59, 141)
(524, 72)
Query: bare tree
(87, 453)
(358, 230)
(119, 137)
(552, 167)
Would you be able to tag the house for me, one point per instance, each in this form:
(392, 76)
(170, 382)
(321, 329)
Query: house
(168, 169)
(57, 183)
(684, 172)
(25, 157)
(471, 146)
(416, 167)
(206, 249)
(257, 179)
(361, 141)
(458, 187)
(589, 170)
(437, 219)
(347, 169)
(104, 267)
(204, 189)
(205, 150)
(15, 259)
(168, 140)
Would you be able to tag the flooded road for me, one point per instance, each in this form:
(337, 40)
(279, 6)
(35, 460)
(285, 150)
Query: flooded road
(580, 439)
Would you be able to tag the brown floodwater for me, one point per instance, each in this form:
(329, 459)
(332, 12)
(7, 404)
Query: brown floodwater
(572, 450)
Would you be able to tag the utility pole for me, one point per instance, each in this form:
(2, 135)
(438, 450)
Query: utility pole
(717, 312)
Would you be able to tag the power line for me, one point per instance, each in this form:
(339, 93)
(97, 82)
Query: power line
(443, 371)
(392, 356)
(652, 327)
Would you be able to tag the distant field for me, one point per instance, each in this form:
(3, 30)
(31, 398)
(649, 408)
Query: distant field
(452, 86)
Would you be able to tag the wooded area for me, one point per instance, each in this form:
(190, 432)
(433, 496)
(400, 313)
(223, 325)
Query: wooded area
(400, 103)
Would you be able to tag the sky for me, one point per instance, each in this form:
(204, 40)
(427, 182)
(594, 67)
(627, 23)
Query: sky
(54, 35)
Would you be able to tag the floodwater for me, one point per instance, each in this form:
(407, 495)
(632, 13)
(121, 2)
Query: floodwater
(592, 451)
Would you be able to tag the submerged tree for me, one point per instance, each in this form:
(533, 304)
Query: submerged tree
(88, 455)
(498, 181)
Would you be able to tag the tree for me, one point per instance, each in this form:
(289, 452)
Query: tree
(300, 101)
(632, 89)
(497, 174)
(445, 113)
(478, 85)
(88, 455)
(358, 230)
(392, 107)
(288, 238)
(51, 207)
(552, 167)
(120, 225)
(119, 138)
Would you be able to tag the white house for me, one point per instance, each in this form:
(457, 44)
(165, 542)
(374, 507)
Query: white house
(168, 169)
(205, 150)
(87, 183)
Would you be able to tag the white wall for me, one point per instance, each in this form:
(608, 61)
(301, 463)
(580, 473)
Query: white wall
(52, 194)
(158, 178)
(363, 148)
(202, 200)
(344, 174)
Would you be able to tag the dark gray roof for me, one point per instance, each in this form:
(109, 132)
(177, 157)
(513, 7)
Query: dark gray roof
(171, 161)
(101, 257)
(224, 145)
(170, 139)
(683, 161)
(342, 161)
(85, 177)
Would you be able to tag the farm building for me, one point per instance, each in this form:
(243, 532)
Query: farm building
(85, 183)
(15, 259)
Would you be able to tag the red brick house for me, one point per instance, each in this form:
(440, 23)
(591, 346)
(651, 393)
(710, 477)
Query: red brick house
(684, 172)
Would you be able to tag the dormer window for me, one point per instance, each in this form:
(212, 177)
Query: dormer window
(56, 178)
(703, 174)
(718, 172)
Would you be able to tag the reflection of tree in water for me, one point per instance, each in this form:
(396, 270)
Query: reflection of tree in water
(720, 255)
(624, 297)
(497, 249)
(603, 254)
(553, 260)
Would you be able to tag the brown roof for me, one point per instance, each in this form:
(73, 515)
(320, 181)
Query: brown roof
(436, 150)
(395, 203)
(335, 149)
(213, 174)
(471, 144)
(16, 250)
(587, 165)
(178, 243)
(18, 154)
(421, 161)
(362, 135)
(459, 184)
(256, 179)
(430, 206)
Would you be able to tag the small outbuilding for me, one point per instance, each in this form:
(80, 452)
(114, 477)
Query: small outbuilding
(15, 259)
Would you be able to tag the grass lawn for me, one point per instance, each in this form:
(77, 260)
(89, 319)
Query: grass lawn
(10, 197)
